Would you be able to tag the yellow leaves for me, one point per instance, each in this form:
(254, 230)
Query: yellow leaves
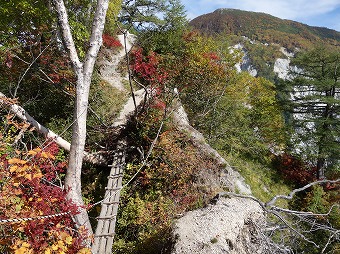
(84, 251)
(38, 175)
(19, 226)
(34, 151)
(13, 169)
(66, 237)
(48, 251)
(68, 240)
(19, 169)
(54, 247)
(21, 247)
(47, 155)
(16, 161)
(60, 246)
(16, 183)
(23, 168)
(26, 172)
(28, 176)
(61, 242)
(42, 153)
(17, 192)
(19, 166)
(25, 245)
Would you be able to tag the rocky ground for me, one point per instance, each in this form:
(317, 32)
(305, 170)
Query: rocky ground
(229, 226)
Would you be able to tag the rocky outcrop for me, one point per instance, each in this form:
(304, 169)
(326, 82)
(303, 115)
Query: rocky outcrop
(231, 226)
(281, 68)
(245, 64)
(229, 178)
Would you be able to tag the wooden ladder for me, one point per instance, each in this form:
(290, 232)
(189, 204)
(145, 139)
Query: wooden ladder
(105, 231)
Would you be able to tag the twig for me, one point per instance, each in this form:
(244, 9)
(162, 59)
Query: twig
(302, 213)
(293, 229)
(29, 67)
(291, 195)
(226, 193)
(329, 241)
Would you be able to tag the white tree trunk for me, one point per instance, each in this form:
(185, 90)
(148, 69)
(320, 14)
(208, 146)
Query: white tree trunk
(83, 73)
(23, 115)
(94, 158)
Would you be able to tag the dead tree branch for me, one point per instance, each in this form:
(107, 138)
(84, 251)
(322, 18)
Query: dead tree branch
(21, 113)
(299, 217)
(291, 195)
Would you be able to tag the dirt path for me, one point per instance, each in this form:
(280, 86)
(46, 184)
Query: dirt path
(110, 60)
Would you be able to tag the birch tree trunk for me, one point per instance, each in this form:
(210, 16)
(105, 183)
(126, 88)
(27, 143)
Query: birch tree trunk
(83, 72)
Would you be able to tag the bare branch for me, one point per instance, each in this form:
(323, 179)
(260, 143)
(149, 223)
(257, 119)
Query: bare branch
(302, 216)
(294, 230)
(302, 213)
(329, 241)
(291, 195)
(226, 193)
(29, 67)
(23, 115)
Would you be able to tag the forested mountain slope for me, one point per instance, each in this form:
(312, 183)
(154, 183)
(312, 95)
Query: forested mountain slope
(268, 43)
(265, 28)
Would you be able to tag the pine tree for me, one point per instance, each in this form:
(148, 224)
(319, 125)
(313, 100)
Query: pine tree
(315, 105)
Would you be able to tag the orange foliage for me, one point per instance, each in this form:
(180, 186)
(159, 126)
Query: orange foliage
(29, 189)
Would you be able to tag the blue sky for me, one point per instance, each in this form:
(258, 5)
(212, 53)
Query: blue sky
(324, 13)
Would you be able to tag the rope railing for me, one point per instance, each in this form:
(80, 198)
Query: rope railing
(3, 221)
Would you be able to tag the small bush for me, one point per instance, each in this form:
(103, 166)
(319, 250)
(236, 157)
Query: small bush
(111, 42)
(294, 169)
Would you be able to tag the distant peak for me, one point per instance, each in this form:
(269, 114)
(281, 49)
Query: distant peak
(238, 11)
(264, 27)
(227, 9)
(224, 10)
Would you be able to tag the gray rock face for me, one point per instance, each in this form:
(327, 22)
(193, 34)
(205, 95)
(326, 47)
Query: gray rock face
(281, 67)
(245, 64)
(227, 227)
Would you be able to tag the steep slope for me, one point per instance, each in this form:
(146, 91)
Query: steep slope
(109, 61)
(264, 27)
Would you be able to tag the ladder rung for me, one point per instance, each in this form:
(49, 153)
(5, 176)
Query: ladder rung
(110, 203)
(106, 217)
(105, 235)
(113, 189)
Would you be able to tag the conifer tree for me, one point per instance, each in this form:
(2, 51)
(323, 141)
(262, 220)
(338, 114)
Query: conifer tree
(315, 106)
